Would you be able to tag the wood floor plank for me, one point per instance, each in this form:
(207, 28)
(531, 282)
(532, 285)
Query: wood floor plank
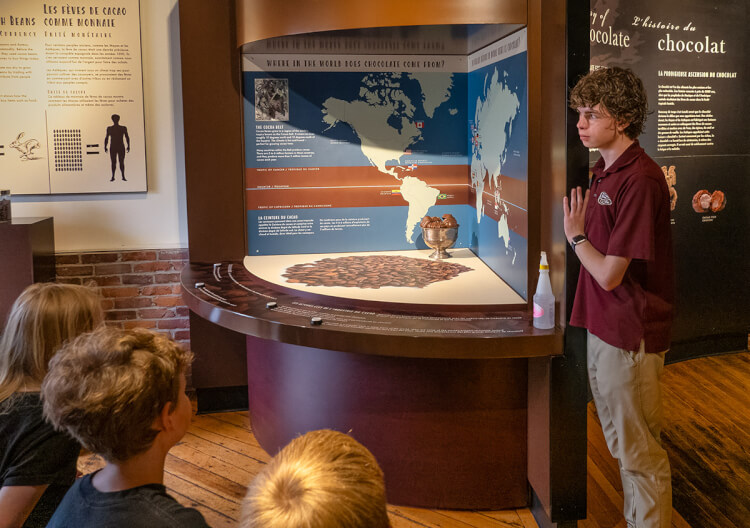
(229, 439)
(612, 495)
(509, 517)
(201, 495)
(205, 478)
(527, 518)
(220, 452)
(706, 433)
(218, 423)
(482, 519)
(428, 518)
(678, 521)
(238, 418)
(399, 520)
(215, 464)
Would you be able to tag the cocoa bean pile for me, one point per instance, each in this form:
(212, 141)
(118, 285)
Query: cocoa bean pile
(434, 222)
(373, 271)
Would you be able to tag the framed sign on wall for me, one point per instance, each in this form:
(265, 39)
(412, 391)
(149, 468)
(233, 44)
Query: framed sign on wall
(71, 97)
(692, 58)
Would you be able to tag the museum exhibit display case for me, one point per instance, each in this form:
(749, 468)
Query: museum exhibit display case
(340, 133)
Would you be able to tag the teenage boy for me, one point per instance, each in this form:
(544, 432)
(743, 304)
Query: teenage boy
(620, 231)
(121, 393)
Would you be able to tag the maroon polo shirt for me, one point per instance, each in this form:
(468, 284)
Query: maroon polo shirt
(628, 215)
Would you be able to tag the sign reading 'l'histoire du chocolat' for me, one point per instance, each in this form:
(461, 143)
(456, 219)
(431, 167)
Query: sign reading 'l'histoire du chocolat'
(692, 58)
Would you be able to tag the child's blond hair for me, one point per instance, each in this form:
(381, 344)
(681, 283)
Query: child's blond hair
(42, 318)
(323, 479)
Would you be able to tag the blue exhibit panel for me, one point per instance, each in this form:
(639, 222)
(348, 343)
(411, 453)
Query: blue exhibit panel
(509, 264)
(512, 72)
(290, 231)
(339, 145)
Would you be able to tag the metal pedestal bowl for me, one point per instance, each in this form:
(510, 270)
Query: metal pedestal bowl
(440, 239)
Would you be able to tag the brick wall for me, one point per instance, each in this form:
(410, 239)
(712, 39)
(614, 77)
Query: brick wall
(140, 288)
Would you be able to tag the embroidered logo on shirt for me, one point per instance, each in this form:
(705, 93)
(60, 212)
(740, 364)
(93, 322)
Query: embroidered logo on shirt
(604, 199)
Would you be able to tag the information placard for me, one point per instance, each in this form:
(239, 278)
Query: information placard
(692, 58)
(71, 97)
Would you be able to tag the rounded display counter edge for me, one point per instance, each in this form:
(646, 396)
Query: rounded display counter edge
(228, 295)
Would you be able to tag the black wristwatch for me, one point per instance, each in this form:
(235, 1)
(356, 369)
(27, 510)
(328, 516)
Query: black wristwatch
(578, 239)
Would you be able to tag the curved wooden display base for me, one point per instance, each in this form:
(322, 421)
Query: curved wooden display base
(437, 393)
(226, 294)
(448, 433)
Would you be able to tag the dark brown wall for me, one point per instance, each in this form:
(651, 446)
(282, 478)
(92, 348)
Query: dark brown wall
(214, 174)
(27, 247)
(212, 109)
(557, 385)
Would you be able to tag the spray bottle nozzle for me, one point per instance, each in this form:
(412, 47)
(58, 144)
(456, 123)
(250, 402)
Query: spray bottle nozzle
(543, 265)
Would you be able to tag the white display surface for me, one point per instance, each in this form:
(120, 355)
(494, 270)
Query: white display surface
(476, 287)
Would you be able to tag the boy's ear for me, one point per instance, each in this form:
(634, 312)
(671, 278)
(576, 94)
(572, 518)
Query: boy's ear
(163, 421)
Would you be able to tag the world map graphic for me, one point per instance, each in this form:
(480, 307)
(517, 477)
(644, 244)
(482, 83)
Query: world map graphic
(495, 111)
(389, 121)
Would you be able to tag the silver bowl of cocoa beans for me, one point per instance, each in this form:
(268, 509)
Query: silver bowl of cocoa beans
(439, 234)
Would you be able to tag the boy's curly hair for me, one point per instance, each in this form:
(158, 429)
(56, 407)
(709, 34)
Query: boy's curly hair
(107, 387)
(619, 91)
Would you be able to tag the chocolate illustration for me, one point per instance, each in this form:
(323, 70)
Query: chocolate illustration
(701, 201)
(670, 175)
(704, 201)
(718, 201)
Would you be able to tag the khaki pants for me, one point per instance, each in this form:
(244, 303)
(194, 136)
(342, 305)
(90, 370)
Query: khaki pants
(627, 395)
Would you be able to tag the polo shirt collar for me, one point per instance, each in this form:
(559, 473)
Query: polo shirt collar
(628, 156)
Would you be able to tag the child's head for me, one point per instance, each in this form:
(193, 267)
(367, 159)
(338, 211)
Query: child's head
(619, 92)
(109, 388)
(322, 479)
(41, 319)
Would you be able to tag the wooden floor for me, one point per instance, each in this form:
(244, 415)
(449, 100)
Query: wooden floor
(707, 435)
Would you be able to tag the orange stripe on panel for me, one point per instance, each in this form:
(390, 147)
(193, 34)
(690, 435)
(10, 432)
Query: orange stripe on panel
(514, 196)
(281, 177)
(260, 199)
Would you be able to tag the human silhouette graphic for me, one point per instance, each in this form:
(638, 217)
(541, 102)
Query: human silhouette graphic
(117, 147)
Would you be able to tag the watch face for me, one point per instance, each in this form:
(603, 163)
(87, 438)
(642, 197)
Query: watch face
(578, 239)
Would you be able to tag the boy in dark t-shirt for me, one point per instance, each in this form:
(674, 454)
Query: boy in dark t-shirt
(121, 393)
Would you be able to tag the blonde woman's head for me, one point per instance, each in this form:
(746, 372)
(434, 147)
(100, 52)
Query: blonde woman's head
(42, 318)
